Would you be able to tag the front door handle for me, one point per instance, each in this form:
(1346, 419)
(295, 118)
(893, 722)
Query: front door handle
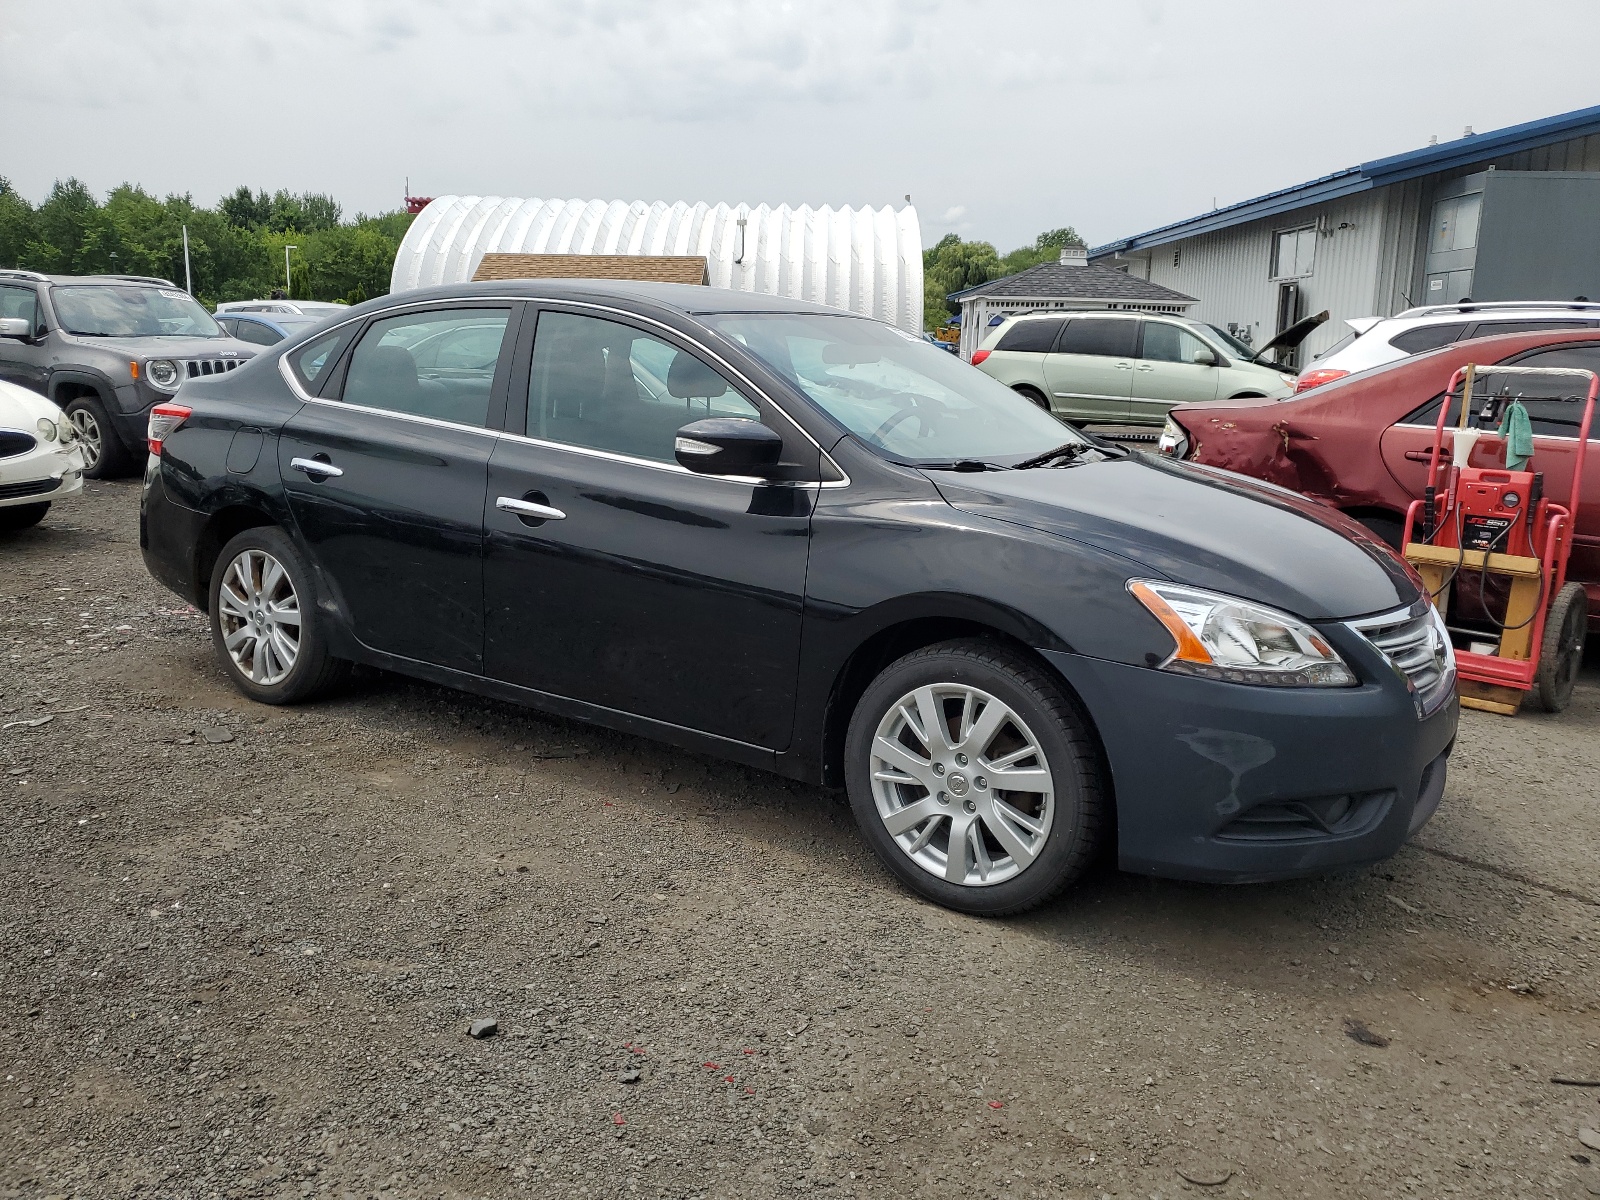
(527, 508)
(1124, 366)
(315, 466)
(1419, 455)
(1145, 367)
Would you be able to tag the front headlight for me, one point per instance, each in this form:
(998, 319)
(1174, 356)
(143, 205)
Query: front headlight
(47, 429)
(163, 372)
(1222, 637)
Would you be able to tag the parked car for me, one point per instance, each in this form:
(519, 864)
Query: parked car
(1374, 341)
(105, 349)
(265, 329)
(292, 308)
(1361, 443)
(1123, 368)
(808, 542)
(40, 459)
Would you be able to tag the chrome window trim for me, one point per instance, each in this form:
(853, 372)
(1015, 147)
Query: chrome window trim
(285, 370)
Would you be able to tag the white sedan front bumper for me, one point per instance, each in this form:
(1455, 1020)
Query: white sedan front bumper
(48, 472)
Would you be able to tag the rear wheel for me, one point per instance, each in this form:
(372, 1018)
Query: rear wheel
(1033, 394)
(22, 516)
(104, 455)
(1562, 652)
(265, 625)
(973, 778)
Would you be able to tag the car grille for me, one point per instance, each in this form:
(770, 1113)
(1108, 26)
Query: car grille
(1418, 648)
(34, 487)
(14, 442)
(198, 367)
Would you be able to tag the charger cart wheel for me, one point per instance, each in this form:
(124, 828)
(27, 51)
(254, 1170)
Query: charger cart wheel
(973, 777)
(1562, 652)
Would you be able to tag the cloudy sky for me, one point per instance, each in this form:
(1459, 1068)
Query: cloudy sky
(1000, 118)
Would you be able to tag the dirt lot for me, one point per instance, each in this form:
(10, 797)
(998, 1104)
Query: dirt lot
(242, 947)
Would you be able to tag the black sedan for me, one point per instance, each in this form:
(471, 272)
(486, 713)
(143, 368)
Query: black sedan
(812, 543)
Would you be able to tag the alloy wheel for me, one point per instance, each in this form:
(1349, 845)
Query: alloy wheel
(962, 785)
(259, 612)
(89, 435)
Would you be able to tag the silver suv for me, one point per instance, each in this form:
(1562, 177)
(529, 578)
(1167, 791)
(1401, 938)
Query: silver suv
(108, 348)
(1124, 368)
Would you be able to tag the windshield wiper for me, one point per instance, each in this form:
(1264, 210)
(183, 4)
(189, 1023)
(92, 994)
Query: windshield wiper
(960, 464)
(1068, 451)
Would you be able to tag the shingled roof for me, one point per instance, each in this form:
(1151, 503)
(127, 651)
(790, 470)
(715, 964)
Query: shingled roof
(1058, 281)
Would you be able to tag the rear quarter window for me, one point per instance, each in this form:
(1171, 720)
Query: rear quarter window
(1428, 337)
(1031, 337)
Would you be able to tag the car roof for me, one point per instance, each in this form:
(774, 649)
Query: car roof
(118, 280)
(1101, 312)
(1492, 348)
(1498, 308)
(687, 298)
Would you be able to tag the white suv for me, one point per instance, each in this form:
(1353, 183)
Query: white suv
(1374, 341)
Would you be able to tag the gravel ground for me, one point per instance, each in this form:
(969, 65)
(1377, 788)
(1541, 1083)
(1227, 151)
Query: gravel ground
(242, 948)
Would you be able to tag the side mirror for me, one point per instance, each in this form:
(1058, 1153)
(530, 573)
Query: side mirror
(16, 327)
(727, 446)
(1204, 358)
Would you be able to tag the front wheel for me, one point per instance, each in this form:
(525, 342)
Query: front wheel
(104, 455)
(265, 625)
(974, 779)
(1562, 653)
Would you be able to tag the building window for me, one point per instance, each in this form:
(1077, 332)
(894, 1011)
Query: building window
(1293, 251)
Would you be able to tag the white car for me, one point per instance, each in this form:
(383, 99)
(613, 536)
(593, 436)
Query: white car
(298, 308)
(1373, 341)
(40, 458)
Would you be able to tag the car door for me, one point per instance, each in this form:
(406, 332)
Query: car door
(634, 584)
(25, 362)
(1090, 374)
(1166, 373)
(385, 477)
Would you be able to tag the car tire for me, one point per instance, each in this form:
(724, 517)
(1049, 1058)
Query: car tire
(1565, 628)
(1388, 530)
(1033, 394)
(266, 628)
(22, 516)
(104, 455)
(1018, 847)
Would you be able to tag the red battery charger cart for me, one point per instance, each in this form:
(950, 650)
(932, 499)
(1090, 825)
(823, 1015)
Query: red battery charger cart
(1493, 550)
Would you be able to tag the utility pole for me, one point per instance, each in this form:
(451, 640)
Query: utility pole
(188, 277)
(288, 284)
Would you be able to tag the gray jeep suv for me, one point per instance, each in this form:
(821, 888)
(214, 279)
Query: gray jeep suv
(107, 348)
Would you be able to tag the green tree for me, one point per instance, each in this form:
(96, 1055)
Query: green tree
(953, 265)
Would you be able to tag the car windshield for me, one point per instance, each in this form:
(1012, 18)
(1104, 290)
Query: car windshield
(114, 310)
(1230, 343)
(903, 397)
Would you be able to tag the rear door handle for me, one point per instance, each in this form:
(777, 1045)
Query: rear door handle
(1124, 366)
(313, 466)
(527, 508)
(1419, 455)
(1145, 367)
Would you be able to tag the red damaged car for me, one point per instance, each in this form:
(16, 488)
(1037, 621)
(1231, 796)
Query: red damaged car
(1361, 443)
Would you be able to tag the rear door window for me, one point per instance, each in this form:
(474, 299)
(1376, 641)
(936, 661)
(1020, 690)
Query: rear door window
(438, 363)
(1099, 336)
(1428, 337)
(1031, 337)
(1555, 406)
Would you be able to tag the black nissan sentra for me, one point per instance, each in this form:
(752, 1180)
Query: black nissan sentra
(807, 542)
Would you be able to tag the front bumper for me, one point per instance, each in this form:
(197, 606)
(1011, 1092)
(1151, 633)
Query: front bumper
(1236, 784)
(46, 474)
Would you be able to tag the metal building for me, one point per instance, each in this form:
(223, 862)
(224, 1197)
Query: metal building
(867, 261)
(1508, 215)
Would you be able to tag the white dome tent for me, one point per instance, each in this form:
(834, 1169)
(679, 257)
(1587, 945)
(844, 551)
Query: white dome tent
(866, 261)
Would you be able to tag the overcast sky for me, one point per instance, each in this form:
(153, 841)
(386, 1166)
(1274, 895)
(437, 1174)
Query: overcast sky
(1000, 118)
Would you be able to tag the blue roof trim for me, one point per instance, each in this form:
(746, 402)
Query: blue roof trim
(1378, 172)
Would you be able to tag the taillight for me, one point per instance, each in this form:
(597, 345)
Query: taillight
(164, 419)
(978, 356)
(1317, 378)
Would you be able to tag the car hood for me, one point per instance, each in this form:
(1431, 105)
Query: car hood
(172, 347)
(21, 409)
(1200, 526)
